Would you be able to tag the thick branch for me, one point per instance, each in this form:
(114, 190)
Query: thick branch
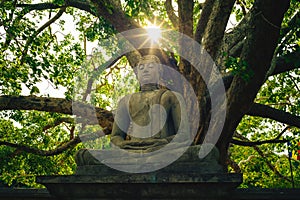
(258, 50)
(217, 23)
(68, 145)
(45, 6)
(171, 13)
(234, 39)
(272, 113)
(185, 14)
(251, 144)
(122, 23)
(204, 17)
(284, 63)
(185, 26)
(87, 112)
(38, 6)
(287, 62)
(36, 103)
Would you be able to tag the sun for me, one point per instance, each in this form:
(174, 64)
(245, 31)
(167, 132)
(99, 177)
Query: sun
(154, 33)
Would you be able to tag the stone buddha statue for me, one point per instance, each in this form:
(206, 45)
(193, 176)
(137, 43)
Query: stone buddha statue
(150, 118)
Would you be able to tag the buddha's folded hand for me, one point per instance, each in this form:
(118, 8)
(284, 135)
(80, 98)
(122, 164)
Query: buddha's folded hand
(142, 143)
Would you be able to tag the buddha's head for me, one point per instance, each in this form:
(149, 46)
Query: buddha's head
(148, 70)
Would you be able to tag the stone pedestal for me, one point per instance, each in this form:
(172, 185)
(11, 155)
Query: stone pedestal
(187, 178)
(142, 186)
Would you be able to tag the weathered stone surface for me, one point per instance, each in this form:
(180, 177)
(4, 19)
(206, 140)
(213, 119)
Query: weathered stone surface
(88, 163)
(187, 178)
(24, 194)
(157, 185)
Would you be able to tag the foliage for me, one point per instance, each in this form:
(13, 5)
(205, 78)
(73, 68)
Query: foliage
(280, 92)
(28, 58)
(236, 66)
(257, 173)
(18, 168)
(144, 9)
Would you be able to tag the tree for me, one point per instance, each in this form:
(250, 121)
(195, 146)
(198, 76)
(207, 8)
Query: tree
(258, 55)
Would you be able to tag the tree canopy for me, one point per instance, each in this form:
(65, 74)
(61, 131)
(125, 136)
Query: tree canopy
(255, 44)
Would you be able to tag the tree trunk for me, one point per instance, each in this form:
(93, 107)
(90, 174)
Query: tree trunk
(258, 51)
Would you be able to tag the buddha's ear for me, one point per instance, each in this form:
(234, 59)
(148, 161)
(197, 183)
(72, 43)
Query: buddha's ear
(161, 70)
(161, 81)
(135, 70)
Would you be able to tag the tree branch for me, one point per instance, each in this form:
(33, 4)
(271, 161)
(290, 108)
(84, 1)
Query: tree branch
(202, 22)
(258, 51)
(58, 122)
(261, 153)
(59, 105)
(60, 149)
(105, 9)
(272, 113)
(216, 25)
(171, 13)
(234, 166)
(251, 144)
(27, 8)
(185, 17)
(243, 6)
(294, 82)
(254, 143)
(67, 145)
(292, 24)
(111, 62)
(233, 41)
(32, 37)
(38, 6)
(287, 62)
(10, 30)
(45, 6)
(284, 63)
(109, 12)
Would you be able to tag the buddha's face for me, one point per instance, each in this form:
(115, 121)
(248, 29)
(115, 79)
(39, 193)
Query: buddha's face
(148, 72)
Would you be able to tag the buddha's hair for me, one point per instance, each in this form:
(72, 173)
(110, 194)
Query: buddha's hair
(149, 57)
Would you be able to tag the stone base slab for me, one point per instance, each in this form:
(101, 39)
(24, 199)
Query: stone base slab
(142, 186)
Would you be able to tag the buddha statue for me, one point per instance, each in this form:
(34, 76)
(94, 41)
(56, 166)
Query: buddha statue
(147, 120)
(150, 118)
